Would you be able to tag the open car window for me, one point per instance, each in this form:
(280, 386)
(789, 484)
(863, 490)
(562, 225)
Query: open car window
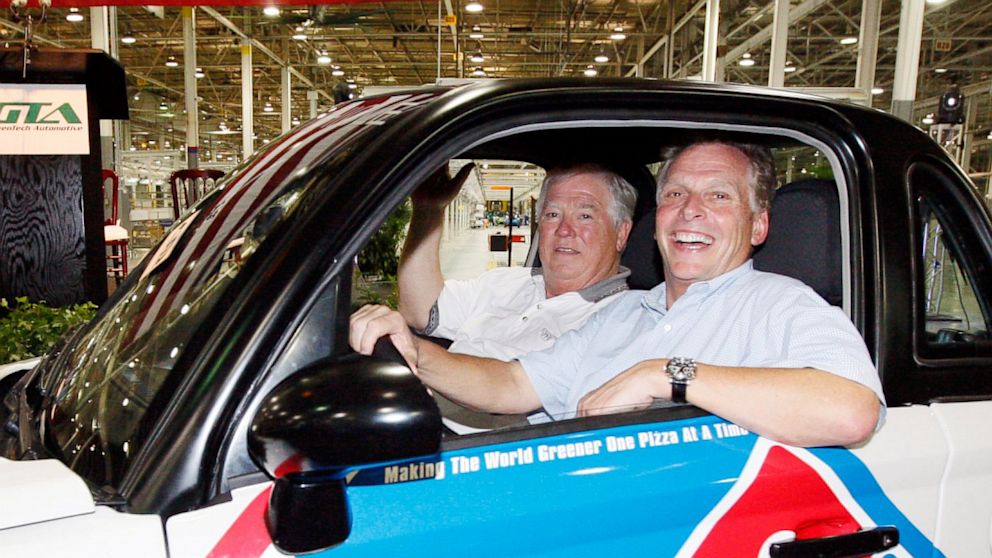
(811, 218)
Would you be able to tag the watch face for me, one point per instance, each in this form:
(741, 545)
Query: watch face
(681, 370)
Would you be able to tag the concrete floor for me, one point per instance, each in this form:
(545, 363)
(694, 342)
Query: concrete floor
(465, 253)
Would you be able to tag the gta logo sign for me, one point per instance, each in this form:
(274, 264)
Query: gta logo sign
(42, 114)
(43, 120)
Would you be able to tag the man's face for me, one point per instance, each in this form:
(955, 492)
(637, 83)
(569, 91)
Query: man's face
(579, 245)
(704, 223)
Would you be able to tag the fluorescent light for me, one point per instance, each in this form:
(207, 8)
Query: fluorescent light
(74, 16)
(300, 36)
(199, 73)
(479, 72)
(474, 7)
(270, 11)
(476, 33)
(337, 72)
(323, 58)
(618, 34)
(877, 91)
(602, 58)
(940, 70)
(171, 62)
(849, 41)
(590, 72)
(477, 58)
(928, 119)
(128, 39)
(746, 62)
(787, 69)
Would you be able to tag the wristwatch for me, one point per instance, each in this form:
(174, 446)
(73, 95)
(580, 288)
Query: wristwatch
(681, 372)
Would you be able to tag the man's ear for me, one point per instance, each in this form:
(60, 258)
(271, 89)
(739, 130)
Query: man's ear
(759, 228)
(623, 232)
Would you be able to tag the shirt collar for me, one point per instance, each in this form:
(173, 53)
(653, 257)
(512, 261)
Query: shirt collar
(656, 298)
(598, 291)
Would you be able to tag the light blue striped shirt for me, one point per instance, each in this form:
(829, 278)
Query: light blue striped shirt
(743, 318)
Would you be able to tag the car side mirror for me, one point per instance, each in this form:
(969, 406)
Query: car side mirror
(326, 420)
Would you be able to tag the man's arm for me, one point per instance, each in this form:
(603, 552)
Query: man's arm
(481, 384)
(799, 406)
(419, 277)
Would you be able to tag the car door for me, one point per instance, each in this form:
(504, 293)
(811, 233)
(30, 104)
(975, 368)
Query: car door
(953, 347)
(676, 481)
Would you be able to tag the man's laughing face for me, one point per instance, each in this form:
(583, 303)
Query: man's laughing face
(705, 224)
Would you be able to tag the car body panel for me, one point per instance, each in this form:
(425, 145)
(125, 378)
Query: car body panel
(679, 488)
(44, 490)
(18, 366)
(104, 532)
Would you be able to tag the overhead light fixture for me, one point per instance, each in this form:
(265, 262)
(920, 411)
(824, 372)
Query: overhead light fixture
(171, 62)
(352, 85)
(788, 69)
(877, 91)
(337, 71)
(590, 71)
(928, 119)
(936, 2)
(618, 34)
(128, 39)
(267, 107)
(479, 72)
(270, 11)
(476, 33)
(199, 73)
(474, 7)
(477, 58)
(74, 16)
(299, 34)
(163, 106)
(849, 41)
(601, 58)
(940, 70)
(323, 58)
(746, 60)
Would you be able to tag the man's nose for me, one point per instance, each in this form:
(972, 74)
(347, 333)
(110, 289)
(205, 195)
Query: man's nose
(565, 227)
(692, 207)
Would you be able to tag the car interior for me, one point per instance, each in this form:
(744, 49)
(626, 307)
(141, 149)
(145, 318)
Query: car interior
(806, 228)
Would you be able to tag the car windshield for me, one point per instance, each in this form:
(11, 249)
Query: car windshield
(101, 387)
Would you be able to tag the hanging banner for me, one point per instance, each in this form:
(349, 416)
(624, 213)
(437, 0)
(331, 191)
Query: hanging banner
(37, 119)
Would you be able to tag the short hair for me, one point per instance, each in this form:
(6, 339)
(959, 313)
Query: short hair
(623, 196)
(761, 180)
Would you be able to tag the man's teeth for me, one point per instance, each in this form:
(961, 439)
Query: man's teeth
(569, 250)
(693, 237)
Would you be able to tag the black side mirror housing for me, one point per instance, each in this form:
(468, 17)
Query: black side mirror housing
(332, 417)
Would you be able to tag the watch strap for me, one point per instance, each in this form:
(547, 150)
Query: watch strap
(678, 392)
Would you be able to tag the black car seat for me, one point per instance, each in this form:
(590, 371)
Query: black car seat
(803, 241)
(804, 237)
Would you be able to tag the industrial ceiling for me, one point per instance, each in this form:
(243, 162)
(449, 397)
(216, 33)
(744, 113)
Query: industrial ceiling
(413, 43)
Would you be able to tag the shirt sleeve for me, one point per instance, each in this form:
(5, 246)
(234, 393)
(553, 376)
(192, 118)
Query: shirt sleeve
(458, 300)
(814, 334)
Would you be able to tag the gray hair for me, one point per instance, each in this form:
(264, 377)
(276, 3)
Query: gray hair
(761, 180)
(623, 196)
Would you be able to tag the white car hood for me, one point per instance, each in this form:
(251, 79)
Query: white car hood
(17, 366)
(43, 490)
